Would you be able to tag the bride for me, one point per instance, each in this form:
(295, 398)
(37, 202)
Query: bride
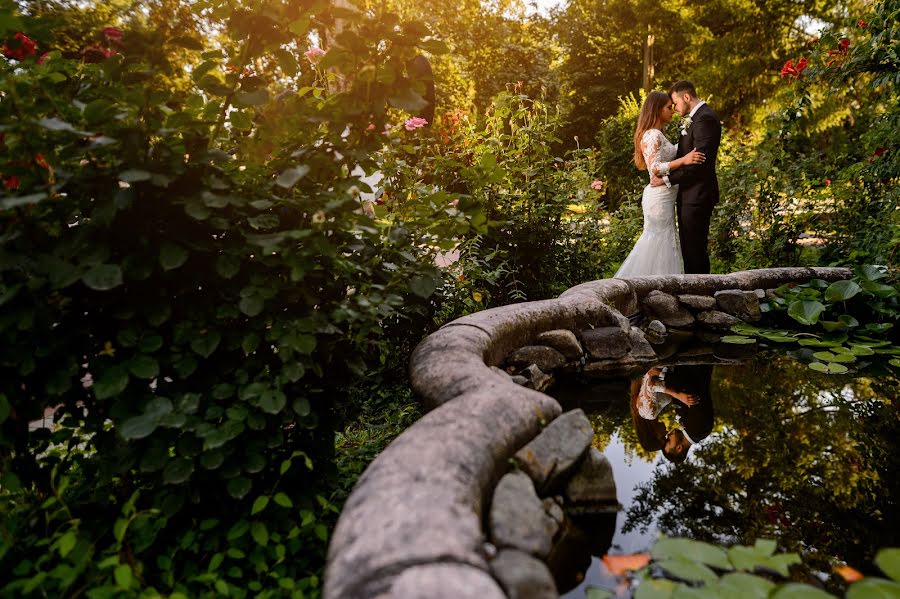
(657, 251)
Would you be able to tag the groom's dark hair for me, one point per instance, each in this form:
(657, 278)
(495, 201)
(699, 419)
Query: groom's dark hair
(680, 87)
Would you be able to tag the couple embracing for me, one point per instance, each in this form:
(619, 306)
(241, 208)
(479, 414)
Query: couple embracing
(682, 181)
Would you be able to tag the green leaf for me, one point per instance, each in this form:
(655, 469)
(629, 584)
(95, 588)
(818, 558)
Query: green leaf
(825, 356)
(655, 588)
(879, 290)
(250, 343)
(737, 340)
(138, 427)
(144, 367)
(135, 175)
(112, 382)
(103, 277)
(178, 471)
(123, 576)
(805, 311)
(260, 533)
(252, 305)
(240, 120)
(795, 590)
(894, 362)
(206, 343)
(879, 328)
(252, 98)
(272, 401)
(840, 291)
(745, 586)
(888, 560)
(283, 500)
(687, 570)
(423, 285)
(408, 100)
(239, 487)
(228, 265)
(669, 548)
(829, 368)
(869, 273)
(259, 505)
(289, 177)
(212, 459)
(817, 343)
(172, 255)
(67, 543)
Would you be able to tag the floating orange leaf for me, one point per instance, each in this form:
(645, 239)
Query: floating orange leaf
(848, 574)
(619, 564)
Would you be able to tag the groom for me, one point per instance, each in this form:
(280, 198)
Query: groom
(698, 187)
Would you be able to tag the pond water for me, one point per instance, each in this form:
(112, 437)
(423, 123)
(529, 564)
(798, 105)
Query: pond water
(779, 451)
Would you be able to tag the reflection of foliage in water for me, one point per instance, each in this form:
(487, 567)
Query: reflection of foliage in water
(814, 467)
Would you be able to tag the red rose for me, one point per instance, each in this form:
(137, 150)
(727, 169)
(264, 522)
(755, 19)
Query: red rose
(11, 182)
(827, 181)
(20, 47)
(862, 24)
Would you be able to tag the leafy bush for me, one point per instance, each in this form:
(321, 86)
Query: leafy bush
(189, 285)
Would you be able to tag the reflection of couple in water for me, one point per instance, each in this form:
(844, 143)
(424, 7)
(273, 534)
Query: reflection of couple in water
(687, 387)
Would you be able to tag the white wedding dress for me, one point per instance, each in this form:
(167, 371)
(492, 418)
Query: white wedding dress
(658, 250)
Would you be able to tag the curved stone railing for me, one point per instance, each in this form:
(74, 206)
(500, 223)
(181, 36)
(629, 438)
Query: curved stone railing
(414, 524)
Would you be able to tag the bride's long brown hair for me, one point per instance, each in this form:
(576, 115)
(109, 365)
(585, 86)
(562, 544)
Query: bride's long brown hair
(648, 119)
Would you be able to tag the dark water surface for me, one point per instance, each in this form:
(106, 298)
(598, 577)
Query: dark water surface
(780, 452)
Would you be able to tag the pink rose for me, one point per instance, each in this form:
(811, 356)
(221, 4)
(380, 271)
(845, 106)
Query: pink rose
(415, 123)
(371, 127)
(314, 55)
(597, 185)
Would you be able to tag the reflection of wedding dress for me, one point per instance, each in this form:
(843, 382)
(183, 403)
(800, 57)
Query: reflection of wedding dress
(657, 251)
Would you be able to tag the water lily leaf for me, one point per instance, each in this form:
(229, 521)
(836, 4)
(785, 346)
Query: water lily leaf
(134, 175)
(655, 588)
(687, 570)
(252, 305)
(779, 338)
(737, 340)
(874, 588)
(172, 255)
(861, 350)
(272, 401)
(869, 272)
(894, 362)
(103, 277)
(668, 548)
(796, 590)
(228, 265)
(840, 291)
(869, 342)
(745, 586)
(805, 311)
(829, 368)
(207, 343)
(879, 328)
(879, 290)
(889, 561)
(818, 343)
(888, 351)
(835, 356)
(848, 320)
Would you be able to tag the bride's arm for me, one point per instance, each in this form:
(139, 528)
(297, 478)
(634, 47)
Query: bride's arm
(661, 169)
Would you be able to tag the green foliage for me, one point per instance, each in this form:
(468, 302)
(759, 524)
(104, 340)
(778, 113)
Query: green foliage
(688, 568)
(189, 285)
(850, 323)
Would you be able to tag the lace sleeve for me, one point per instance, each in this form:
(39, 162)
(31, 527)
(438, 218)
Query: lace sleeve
(651, 143)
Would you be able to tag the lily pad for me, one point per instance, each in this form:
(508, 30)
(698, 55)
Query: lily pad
(737, 340)
(829, 368)
(806, 311)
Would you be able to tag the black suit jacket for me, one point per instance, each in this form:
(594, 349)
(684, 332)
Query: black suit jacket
(697, 183)
(697, 420)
